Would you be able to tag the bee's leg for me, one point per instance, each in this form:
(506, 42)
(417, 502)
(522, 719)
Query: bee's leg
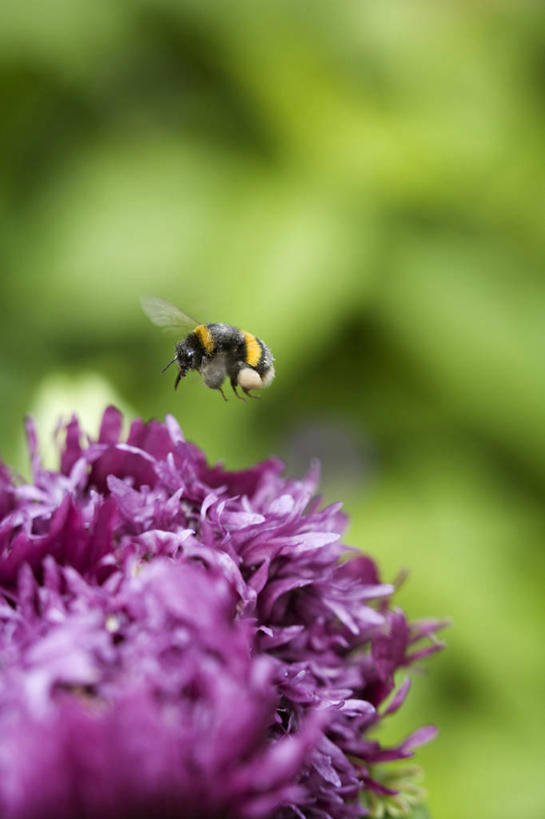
(177, 379)
(249, 394)
(222, 394)
(234, 386)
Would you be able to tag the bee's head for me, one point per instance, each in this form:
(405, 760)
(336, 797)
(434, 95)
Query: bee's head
(187, 358)
(184, 358)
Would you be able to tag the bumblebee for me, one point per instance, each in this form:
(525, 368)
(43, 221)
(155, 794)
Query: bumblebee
(216, 350)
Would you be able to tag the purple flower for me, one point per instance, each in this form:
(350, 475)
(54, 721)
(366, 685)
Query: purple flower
(178, 640)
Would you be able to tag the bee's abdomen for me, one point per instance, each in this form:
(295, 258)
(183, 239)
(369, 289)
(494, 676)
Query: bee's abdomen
(258, 354)
(253, 350)
(241, 346)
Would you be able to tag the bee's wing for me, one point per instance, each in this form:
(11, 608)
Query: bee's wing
(166, 315)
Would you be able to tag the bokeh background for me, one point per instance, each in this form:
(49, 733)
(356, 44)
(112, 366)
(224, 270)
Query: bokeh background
(361, 184)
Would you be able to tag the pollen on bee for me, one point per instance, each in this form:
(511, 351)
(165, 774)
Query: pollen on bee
(249, 379)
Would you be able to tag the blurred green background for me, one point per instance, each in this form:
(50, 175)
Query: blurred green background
(362, 185)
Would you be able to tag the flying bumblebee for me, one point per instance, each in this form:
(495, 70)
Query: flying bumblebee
(214, 350)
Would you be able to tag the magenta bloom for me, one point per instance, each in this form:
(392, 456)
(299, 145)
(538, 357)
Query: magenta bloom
(177, 640)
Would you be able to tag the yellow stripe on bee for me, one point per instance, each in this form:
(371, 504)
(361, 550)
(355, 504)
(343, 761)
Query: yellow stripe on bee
(253, 349)
(205, 337)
